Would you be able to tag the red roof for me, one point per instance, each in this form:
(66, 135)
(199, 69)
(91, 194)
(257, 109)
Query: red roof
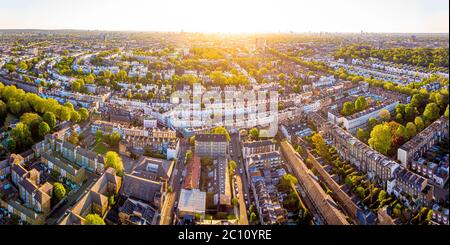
(192, 180)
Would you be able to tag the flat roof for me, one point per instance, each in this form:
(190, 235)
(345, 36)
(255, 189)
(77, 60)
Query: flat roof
(192, 201)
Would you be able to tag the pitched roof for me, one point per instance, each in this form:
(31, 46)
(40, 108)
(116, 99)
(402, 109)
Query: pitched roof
(139, 188)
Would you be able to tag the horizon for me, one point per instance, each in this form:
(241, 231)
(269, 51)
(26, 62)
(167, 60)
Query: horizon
(227, 33)
(234, 17)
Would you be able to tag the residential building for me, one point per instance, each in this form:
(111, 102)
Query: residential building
(423, 141)
(211, 145)
(95, 201)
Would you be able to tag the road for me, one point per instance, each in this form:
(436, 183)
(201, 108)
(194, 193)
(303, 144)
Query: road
(167, 210)
(243, 220)
(237, 157)
(241, 177)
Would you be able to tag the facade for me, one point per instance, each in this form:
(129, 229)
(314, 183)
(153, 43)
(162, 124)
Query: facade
(211, 145)
(32, 202)
(423, 141)
(389, 174)
(75, 155)
(359, 119)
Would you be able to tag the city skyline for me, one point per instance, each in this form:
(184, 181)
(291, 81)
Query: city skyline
(233, 16)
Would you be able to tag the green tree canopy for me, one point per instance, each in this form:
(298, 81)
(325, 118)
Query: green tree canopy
(360, 103)
(221, 130)
(412, 129)
(431, 112)
(348, 108)
(254, 132)
(418, 121)
(59, 190)
(50, 119)
(380, 138)
(385, 115)
(93, 219)
(44, 129)
(113, 160)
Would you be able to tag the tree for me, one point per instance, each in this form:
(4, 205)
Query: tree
(10, 144)
(44, 129)
(192, 140)
(371, 123)
(89, 78)
(113, 160)
(122, 75)
(59, 190)
(63, 113)
(93, 219)
(188, 155)
(111, 200)
(412, 129)
(3, 109)
(402, 132)
(15, 107)
(73, 138)
(446, 112)
(348, 108)
(21, 135)
(419, 100)
(362, 135)
(221, 130)
(84, 114)
(382, 195)
(23, 66)
(75, 86)
(114, 138)
(320, 146)
(419, 123)
(69, 105)
(360, 103)
(380, 138)
(431, 112)
(253, 218)
(234, 201)
(29, 118)
(254, 132)
(232, 166)
(410, 112)
(361, 192)
(385, 115)
(50, 119)
(75, 116)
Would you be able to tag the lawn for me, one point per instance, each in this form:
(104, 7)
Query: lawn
(101, 148)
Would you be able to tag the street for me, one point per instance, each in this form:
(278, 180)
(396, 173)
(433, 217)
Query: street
(242, 181)
(168, 208)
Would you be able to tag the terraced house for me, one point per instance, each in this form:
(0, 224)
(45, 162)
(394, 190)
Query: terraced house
(388, 173)
(423, 141)
(65, 153)
(32, 202)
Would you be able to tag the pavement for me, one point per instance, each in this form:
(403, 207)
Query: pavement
(243, 220)
(168, 209)
(237, 157)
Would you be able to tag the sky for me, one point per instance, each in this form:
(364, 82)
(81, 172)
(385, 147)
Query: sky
(229, 16)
